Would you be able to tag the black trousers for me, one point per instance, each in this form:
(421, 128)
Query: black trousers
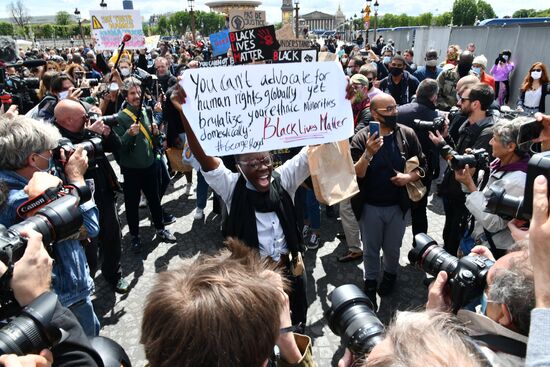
(456, 215)
(137, 180)
(419, 217)
(297, 297)
(108, 239)
(163, 177)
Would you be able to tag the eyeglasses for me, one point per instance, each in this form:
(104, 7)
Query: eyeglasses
(389, 109)
(537, 70)
(255, 164)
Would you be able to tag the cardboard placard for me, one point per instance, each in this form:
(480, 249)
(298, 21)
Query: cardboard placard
(226, 61)
(294, 44)
(295, 56)
(220, 43)
(109, 27)
(264, 107)
(255, 44)
(245, 19)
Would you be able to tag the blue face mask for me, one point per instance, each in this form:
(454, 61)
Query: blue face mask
(386, 59)
(476, 71)
(483, 302)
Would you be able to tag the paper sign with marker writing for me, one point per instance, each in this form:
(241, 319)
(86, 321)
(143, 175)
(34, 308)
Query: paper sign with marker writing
(109, 26)
(259, 108)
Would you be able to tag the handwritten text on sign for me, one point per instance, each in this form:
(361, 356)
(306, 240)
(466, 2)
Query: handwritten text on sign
(109, 26)
(265, 107)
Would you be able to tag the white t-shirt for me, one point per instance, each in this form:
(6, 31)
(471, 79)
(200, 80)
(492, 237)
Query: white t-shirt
(532, 98)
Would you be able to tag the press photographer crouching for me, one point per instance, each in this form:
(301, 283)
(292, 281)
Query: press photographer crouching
(79, 125)
(507, 171)
(26, 150)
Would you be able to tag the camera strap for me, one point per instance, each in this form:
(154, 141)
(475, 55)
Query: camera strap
(46, 197)
(502, 344)
(142, 127)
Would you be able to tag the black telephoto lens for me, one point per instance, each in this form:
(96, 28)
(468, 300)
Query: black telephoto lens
(351, 317)
(430, 257)
(502, 204)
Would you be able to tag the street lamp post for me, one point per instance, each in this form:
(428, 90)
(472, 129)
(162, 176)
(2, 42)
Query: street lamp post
(363, 11)
(190, 3)
(297, 19)
(77, 14)
(376, 5)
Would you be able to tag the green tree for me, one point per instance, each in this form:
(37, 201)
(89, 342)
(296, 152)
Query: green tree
(45, 31)
(180, 20)
(485, 10)
(62, 18)
(524, 13)
(444, 19)
(464, 12)
(6, 29)
(424, 19)
(163, 25)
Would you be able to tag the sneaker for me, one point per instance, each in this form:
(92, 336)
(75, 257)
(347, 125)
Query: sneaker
(387, 284)
(370, 291)
(188, 187)
(142, 201)
(306, 231)
(121, 286)
(199, 214)
(168, 219)
(165, 235)
(136, 244)
(314, 242)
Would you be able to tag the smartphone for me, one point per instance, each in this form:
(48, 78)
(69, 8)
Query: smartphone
(374, 127)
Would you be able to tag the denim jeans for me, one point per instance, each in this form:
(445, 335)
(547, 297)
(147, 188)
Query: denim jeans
(313, 210)
(84, 312)
(202, 191)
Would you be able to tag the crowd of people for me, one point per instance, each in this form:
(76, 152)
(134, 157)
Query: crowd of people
(234, 307)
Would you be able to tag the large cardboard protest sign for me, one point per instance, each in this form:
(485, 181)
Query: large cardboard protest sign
(264, 107)
(109, 26)
(295, 56)
(220, 43)
(245, 19)
(255, 44)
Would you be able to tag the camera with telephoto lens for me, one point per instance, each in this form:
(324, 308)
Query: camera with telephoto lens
(351, 317)
(93, 148)
(520, 207)
(438, 124)
(474, 158)
(58, 219)
(467, 276)
(109, 120)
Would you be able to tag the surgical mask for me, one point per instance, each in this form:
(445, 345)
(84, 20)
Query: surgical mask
(344, 60)
(348, 71)
(124, 71)
(396, 71)
(505, 57)
(64, 94)
(431, 63)
(51, 165)
(476, 71)
(483, 302)
(386, 59)
(536, 75)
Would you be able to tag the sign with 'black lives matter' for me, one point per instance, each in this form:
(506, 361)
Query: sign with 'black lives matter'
(295, 56)
(256, 44)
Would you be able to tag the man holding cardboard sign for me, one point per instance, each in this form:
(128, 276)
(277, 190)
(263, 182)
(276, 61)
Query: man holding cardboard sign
(260, 199)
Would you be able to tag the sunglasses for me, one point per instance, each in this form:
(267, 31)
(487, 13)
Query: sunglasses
(537, 70)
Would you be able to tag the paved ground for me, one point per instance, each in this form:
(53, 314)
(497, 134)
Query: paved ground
(120, 316)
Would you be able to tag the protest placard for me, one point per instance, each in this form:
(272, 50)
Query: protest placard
(245, 19)
(220, 43)
(258, 108)
(226, 61)
(295, 56)
(255, 44)
(152, 42)
(109, 26)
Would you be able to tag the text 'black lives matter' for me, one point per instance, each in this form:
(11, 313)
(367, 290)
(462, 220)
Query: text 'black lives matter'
(256, 44)
(295, 56)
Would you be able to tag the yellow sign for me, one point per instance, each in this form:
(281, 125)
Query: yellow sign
(95, 23)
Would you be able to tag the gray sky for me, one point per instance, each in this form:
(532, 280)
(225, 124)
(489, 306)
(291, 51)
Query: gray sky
(272, 7)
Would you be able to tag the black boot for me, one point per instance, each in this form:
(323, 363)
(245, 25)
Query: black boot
(387, 284)
(370, 291)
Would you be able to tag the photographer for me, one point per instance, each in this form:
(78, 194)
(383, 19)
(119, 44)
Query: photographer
(509, 296)
(73, 122)
(424, 109)
(62, 87)
(238, 299)
(29, 285)
(508, 171)
(475, 133)
(25, 158)
(422, 339)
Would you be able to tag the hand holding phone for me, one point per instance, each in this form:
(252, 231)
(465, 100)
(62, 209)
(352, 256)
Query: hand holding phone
(374, 128)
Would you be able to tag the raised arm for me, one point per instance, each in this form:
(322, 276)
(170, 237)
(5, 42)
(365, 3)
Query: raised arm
(208, 163)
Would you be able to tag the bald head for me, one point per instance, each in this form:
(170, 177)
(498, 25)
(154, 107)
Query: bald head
(69, 114)
(466, 57)
(381, 100)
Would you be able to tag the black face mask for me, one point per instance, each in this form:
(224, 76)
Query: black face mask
(464, 69)
(389, 121)
(396, 71)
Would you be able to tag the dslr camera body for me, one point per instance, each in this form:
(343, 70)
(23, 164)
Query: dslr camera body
(467, 275)
(438, 124)
(474, 158)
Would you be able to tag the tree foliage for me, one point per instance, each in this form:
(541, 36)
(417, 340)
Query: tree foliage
(464, 12)
(485, 10)
(62, 18)
(531, 13)
(6, 29)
